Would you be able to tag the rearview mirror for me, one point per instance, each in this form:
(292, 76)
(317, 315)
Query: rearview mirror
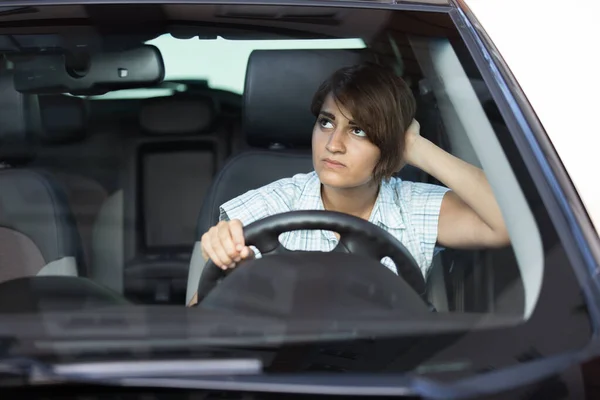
(93, 74)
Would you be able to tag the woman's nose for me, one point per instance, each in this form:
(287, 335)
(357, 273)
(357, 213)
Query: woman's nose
(335, 144)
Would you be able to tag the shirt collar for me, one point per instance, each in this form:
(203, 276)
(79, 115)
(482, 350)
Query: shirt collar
(310, 198)
(386, 211)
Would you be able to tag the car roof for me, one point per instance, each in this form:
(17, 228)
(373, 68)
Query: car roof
(549, 51)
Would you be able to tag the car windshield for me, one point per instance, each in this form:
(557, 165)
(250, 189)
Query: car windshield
(190, 185)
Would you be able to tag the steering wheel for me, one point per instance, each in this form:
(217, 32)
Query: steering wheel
(357, 236)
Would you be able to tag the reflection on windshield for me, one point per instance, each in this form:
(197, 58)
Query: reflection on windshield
(223, 62)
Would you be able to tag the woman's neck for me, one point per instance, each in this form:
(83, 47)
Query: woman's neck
(357, 201)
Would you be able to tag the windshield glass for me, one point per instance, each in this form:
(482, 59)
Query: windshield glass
(333, 188)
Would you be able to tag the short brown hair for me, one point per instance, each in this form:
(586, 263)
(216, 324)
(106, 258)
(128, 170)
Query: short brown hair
(381, 103)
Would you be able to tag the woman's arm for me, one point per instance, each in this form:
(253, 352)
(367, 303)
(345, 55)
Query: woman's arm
(469, 216)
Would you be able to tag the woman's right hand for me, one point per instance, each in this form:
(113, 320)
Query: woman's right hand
(224, 244)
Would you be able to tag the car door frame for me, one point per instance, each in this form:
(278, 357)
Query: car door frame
(566, 209)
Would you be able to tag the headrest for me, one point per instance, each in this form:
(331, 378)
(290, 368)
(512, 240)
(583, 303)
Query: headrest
(19, 121)
(63, 118)
(280, 85)
(176, 116)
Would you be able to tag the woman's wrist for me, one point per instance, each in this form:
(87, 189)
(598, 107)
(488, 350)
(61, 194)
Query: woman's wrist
(417, 152)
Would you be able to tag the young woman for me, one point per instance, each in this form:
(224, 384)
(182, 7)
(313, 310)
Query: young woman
(365, 132)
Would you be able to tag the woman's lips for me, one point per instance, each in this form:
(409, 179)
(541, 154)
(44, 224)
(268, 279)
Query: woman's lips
(332, 163)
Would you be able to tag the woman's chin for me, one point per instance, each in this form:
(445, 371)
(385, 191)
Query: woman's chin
(334, 179)
(339, 180)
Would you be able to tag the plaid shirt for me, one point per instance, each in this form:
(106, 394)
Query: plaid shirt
(409, 211)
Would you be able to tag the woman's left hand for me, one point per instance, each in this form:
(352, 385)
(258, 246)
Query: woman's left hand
(411, 139)
(469, 215)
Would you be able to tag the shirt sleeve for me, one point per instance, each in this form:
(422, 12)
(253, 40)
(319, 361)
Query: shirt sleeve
(256, 204)
(424, 209)
(249, 207)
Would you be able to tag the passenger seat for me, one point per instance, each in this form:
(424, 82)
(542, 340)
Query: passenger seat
(38, 234)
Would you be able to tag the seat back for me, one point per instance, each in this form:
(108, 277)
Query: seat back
(38, 234)
(178, 156)
(277, 125)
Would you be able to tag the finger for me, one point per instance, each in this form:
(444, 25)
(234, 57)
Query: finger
(208, 248)
(224, 259)
(219, 248)
(215, 245)
(246, 252)
(413, 127)
(227, 241)
(416, 126)
(237, 232)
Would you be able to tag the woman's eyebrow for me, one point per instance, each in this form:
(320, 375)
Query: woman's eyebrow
(328, 115)
(332, 117)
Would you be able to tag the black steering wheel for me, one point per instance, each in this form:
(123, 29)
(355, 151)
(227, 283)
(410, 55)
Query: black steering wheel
(357, 236)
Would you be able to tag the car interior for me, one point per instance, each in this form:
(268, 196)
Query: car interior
(120, 189)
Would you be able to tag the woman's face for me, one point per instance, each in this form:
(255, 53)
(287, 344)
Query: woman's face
(343, 156)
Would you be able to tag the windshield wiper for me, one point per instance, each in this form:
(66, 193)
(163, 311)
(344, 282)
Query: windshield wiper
(159, 368)
(29, 371)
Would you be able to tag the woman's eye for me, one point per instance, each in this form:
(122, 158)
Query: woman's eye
(358, 132)
(325, 123)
